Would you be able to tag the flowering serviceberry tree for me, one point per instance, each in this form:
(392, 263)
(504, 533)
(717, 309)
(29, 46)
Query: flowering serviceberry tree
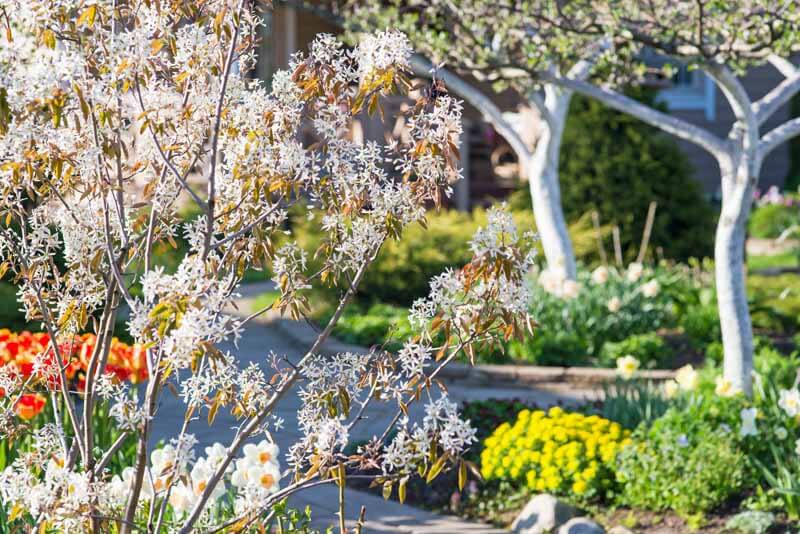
(109, 111)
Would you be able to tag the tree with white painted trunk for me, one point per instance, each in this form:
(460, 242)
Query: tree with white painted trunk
(723, 40)
(540, 164)
(471, 69)
(511, 40)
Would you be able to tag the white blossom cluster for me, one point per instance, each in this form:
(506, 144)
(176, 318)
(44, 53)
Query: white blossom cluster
(412, 444)
(191, 301)
(453, 296)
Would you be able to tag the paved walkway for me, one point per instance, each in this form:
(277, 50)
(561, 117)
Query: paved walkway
(382, 516)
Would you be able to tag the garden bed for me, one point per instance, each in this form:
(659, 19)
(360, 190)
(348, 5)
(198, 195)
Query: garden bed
(724, 498)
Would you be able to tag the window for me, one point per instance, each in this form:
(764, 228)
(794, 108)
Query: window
(690, 90)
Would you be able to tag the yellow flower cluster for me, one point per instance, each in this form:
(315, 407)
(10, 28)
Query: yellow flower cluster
(555, 451)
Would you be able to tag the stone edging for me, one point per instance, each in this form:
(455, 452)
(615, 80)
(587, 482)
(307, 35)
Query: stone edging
(515, 375)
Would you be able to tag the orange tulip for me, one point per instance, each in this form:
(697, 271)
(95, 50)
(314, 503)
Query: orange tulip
(30, 405)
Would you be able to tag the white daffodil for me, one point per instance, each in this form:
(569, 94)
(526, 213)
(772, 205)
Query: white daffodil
(789, 401)
(262, 453)
(725, 388)
(687, 378)
(614, 304)
(748, 416)
(600, 275)
(216, 454)
(201, 476)
(182, 498)
(671, 389)
(627, 366)
(635, 271)
(239, 477)
(651, 289)
(264, 476)
(781, 433)
(162, 464)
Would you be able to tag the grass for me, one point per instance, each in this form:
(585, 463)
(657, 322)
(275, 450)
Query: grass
(263, 300)
(776, 301)
(788, 259)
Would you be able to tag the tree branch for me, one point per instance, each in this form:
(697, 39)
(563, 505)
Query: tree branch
(777, 136)
(780, 95)
(782, 65)
(739, 101)
(668, 123)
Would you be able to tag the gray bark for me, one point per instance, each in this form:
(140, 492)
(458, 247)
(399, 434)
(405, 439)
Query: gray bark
(539, 166)
(542, 171)
(739, 178)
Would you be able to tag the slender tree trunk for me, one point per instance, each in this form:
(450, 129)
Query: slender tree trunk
(542, 172)
(543, 179)
(739, 177)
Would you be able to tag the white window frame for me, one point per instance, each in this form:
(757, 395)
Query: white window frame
(700, 96)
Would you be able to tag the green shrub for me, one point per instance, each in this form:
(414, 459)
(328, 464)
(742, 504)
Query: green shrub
(775, 301)
(633, 402)
(547, 347)
(10, 315)
(650, 349)
(378, 324)
(402, 271)
(701, 324)
(770, 220)
(689, 470)
(775, 367)
(751, 522)
(715, 352)
(615, 164)
(573, 331)
(760, 464)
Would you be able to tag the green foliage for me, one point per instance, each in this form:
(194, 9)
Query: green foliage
(573, 331)
(403, 269)
(10, 315)
(377, 324)
(701, 324)
(687, 466)
(793, 177)
(649, 348)
(775, 301)
(782, 479)
(694, 458)
(617, 165)
(772, 365)
(771, 220)
(633, 402)
(783, 260)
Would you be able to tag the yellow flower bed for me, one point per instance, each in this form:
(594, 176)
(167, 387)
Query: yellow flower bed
(555, 451)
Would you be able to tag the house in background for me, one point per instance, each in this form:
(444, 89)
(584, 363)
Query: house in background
(490, 168)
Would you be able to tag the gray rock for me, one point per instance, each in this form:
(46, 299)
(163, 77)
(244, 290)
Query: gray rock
(543, 513)
(619, 529)
(580, 525)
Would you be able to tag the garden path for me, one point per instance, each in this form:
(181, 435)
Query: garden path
(258, 339)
